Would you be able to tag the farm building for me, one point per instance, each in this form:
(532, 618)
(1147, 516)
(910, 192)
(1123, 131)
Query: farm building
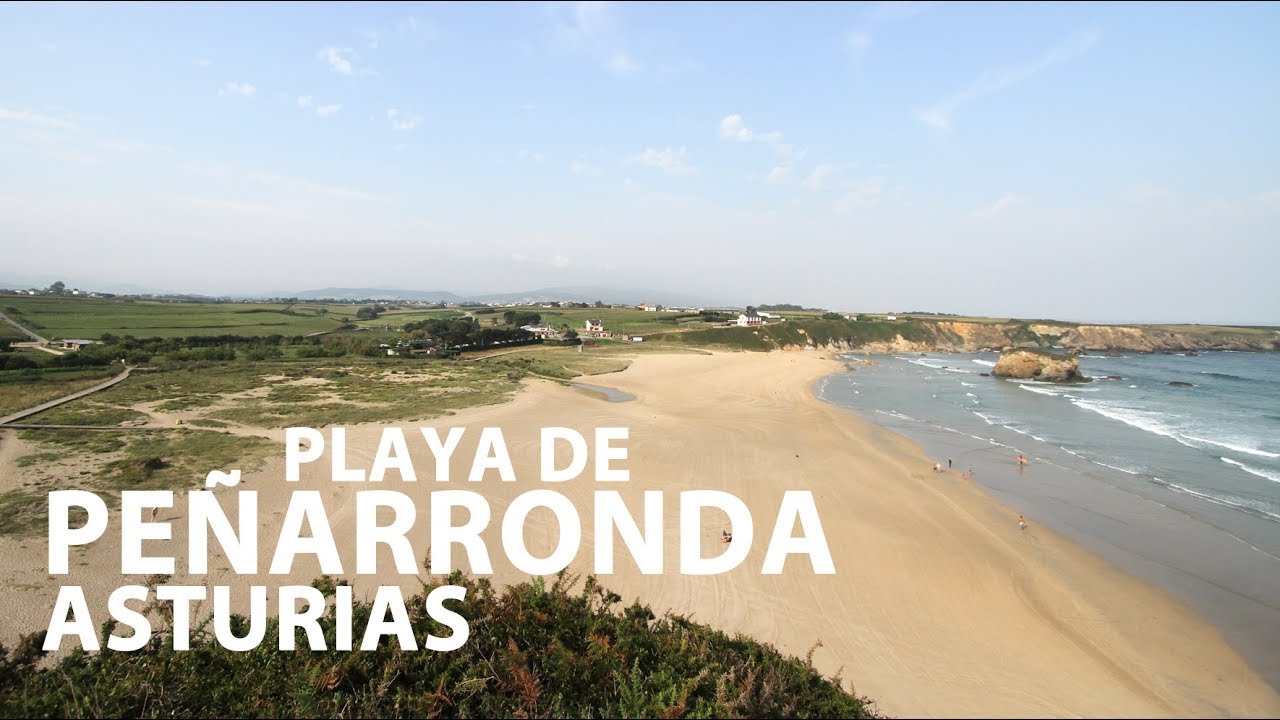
(541, 330)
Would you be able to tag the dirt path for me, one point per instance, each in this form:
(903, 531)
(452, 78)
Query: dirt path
(65, 398)
(24, 331)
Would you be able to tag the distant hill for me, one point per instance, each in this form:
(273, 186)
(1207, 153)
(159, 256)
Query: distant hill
(337, 293)
(631, 296)
(587, 294)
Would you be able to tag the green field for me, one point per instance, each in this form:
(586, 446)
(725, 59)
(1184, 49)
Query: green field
(400, 316)
(11, 334)
(61, 317)
(621, 320)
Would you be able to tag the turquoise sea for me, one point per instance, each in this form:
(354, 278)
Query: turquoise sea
(1166, 464)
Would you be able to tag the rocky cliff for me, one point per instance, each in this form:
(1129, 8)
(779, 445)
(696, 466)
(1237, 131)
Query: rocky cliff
(1038, 365)
(924, 335)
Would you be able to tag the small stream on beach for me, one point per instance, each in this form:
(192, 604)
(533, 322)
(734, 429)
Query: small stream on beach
(610, 394)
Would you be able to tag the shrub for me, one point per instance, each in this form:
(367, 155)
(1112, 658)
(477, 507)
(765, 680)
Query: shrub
(535, 650)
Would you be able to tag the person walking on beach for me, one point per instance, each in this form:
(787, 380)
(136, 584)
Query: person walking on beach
(948, 463)
(1022, 523)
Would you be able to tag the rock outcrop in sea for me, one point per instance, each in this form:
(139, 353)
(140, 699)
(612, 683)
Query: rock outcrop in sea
(1027, 364)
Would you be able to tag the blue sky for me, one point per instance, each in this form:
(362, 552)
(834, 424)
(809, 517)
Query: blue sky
(1082, 161)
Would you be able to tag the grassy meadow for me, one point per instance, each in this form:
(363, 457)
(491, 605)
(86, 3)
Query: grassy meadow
(19, 393)
(74, 317)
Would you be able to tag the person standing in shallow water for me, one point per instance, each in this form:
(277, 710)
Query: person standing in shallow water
(948, 463)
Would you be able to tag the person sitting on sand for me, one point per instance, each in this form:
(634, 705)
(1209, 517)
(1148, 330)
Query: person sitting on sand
(726, 536)
(937, 467)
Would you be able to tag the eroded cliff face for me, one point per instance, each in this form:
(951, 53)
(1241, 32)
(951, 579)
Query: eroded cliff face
(1154, 339)
(960, 336)
(1038, 365)
(975, 335)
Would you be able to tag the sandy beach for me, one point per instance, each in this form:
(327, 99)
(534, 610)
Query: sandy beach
(940, 605)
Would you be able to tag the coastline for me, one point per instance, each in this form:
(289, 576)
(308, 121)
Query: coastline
(940, 604)
(1222, 563)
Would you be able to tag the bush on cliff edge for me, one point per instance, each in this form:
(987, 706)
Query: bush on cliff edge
(534, 651)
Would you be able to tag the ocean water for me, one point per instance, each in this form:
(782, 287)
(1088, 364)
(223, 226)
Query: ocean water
(1178, 484)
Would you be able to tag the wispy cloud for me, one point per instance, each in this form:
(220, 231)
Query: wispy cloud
(823, 175)
(337, 59)
(30, 118)
(401, 120)
(234, 88)
(732, 128)
(203, 62)
(594, 28)
(304, 101)
(780, 175)
(327, 110)
(669, 160)
(532, 155)
(858, 41)
(940, 114)
(131, 147)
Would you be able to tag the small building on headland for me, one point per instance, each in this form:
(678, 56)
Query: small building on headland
(74, 343)
(750, 318)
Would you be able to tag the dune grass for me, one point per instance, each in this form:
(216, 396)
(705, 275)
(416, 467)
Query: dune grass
(22, 391)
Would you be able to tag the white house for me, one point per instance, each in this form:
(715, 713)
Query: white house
(750, 318)
(541, 330)
(648, 308)
(594, 325)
